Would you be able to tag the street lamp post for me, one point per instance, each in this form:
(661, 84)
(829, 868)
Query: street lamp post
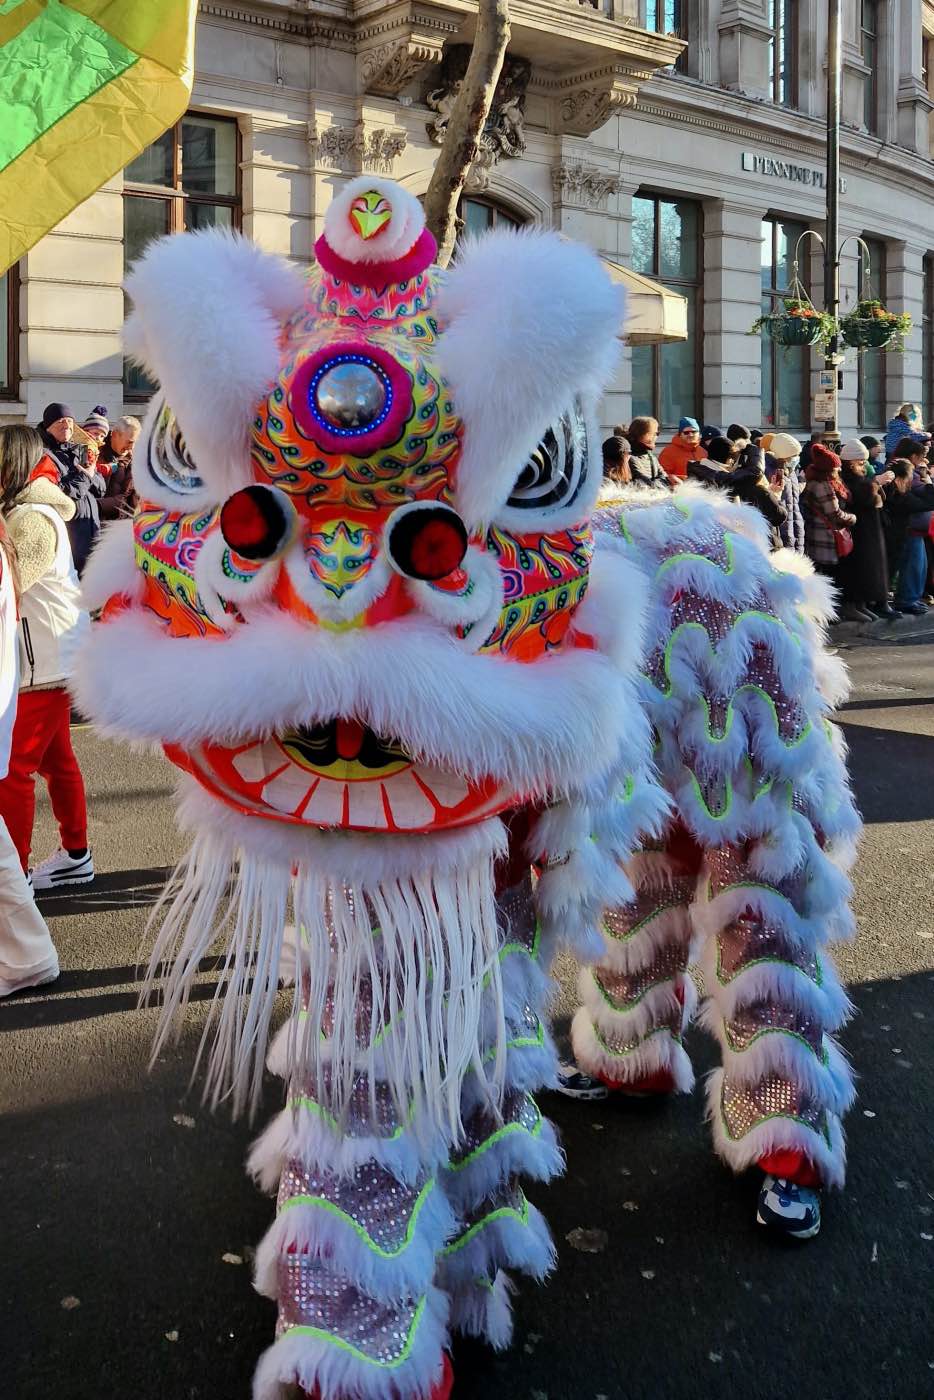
(832, 231)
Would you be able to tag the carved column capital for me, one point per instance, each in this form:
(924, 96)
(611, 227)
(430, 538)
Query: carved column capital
(586, 186)
(389, 68)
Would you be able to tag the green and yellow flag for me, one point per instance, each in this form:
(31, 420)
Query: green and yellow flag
(85, 85)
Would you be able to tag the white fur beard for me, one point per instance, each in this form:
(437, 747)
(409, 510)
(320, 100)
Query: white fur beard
(396, 959)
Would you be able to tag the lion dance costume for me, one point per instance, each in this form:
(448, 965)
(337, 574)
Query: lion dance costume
(360, 608)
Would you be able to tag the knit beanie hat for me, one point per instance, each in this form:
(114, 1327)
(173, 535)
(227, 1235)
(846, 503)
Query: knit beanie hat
(97, 418)
(720, 450)
(736, 431)
(689, 425)
(55, 411)
(783, 446)
(710, 431)
(854, 451)
(823, 458)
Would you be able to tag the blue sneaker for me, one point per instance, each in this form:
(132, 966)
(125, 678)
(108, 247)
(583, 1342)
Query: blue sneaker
(573, 1083)
(789, 1209)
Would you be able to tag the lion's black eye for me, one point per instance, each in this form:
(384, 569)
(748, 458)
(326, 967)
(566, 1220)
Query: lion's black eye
(556, 471)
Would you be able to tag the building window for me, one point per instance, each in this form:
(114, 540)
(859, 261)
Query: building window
(480, 215)
(783, 51)
(666, 243)
(870, 369)
(869, 45)
(9, 334)
(188, 179)
(927, 340)
(669, 17)
(785, 369)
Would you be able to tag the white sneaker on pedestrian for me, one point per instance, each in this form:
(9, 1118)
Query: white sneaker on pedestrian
(35, 979)
(63, 869)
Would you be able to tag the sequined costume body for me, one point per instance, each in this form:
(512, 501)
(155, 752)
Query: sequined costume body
(749, 878)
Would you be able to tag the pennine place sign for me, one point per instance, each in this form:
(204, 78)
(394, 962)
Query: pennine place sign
(778, 169)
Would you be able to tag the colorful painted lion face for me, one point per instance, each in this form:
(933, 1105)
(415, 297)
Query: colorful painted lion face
(361, 478)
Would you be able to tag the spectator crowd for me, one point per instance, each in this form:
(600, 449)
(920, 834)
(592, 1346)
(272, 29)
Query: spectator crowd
(862, 510)
(58, 483)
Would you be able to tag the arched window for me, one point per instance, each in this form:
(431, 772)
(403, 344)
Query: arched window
(480, 215)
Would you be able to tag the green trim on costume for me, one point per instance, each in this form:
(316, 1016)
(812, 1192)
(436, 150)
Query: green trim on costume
(816, 981)
(822, 1132)
(714, 738)
(501, 1213)
(649, 918)
(625, 1007)
(505, 1131)
(320, 1335)
(823, 1056)
(312, 1106)
(324, 1204)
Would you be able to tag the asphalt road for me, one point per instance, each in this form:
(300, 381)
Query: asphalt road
(121, 1195)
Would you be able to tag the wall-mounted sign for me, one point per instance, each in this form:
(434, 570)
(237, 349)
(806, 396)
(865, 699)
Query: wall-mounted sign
(825, 408)
(779, 169)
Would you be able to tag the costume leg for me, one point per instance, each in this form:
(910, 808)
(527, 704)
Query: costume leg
(497, 1227)
(383, 1238)
(774, 1001)
(637, 1001)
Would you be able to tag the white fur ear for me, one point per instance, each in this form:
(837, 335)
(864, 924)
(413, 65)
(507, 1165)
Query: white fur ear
(208, 313)
(531, 324)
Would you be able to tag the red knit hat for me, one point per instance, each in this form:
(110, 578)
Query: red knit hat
(823, 458)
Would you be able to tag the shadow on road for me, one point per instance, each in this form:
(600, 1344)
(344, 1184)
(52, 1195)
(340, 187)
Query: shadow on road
(121, 889)
(891, 773)
(57, 1006)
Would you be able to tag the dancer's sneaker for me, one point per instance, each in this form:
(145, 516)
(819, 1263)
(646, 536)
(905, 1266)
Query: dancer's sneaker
(63, 869)
(35, 979)
(789, 1209)
(573, 1083)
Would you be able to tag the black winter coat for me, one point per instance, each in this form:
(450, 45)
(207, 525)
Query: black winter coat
(864, 574)
(645, 468)
(745, 483)
(84, 488)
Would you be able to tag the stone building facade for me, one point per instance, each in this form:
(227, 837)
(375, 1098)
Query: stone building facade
(683, 139)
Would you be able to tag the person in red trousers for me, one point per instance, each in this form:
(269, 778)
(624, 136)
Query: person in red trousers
(51, 624)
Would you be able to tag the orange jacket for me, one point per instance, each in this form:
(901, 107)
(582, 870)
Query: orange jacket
(675, 457)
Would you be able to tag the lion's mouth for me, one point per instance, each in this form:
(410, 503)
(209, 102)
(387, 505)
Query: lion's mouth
(340, 774)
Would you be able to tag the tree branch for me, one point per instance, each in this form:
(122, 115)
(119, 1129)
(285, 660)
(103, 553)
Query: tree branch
(467, 120)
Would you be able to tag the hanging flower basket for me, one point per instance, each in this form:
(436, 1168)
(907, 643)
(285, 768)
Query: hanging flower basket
(869, 326)
(800, 323)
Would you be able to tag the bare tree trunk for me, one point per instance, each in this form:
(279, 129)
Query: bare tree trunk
(467, 120)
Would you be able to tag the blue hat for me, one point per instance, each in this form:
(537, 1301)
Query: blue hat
(689, 423)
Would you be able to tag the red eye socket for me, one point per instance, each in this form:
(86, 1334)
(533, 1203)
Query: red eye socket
(427, 542)
(255, 522)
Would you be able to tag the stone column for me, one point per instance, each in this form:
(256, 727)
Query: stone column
(744, 47)
(848, 404)
(617, 401)
(913, 103)
(732, 298)
(853, 82)
(71, 305)
(905, 292)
